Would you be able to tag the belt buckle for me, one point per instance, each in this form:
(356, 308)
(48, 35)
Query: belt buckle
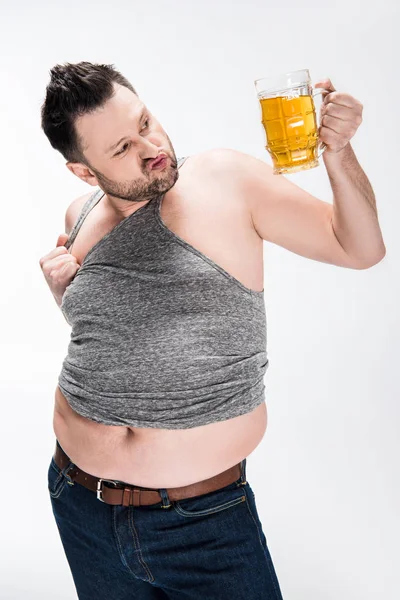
(99, 490)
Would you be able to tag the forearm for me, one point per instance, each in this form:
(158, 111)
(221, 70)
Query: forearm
(354, 217)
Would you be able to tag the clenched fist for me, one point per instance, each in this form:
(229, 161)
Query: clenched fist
(59, 268)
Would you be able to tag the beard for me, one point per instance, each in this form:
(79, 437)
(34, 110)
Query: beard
(142, 189)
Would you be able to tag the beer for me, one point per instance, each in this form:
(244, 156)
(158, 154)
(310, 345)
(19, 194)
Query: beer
(289, 119)
(291, 130)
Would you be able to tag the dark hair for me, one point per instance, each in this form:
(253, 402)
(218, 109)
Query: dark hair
(75, 90)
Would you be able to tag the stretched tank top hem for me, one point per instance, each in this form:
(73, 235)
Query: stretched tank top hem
(239, 410)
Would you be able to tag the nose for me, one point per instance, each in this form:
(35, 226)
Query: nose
(149, 150)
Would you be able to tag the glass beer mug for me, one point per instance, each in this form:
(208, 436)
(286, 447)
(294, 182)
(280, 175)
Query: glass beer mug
(289, 119)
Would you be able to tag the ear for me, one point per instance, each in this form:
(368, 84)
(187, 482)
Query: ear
(82, 172)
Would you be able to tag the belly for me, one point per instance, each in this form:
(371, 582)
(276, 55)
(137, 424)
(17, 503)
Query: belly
(156, 458)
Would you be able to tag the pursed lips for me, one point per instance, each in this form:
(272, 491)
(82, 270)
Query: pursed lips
(155, 161)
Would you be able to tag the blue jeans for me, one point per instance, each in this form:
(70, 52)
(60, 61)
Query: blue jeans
(210, 546)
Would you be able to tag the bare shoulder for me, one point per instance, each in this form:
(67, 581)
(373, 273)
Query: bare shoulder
(237, 169)
(228, 160)
(74, 210)
(217, 186)
(222, 165)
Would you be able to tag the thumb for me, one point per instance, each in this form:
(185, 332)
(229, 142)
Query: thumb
(326, 83)
(62, 238)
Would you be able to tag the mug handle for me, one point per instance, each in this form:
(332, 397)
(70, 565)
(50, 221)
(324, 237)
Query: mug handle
(314, 92)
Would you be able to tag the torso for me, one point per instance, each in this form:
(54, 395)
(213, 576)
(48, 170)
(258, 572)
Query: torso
(208, 213)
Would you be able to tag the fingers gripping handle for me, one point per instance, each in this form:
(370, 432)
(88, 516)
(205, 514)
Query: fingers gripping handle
(321, 144)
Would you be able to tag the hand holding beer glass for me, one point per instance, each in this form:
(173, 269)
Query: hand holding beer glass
(289, 119)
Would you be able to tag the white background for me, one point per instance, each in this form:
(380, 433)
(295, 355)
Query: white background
(326, 474)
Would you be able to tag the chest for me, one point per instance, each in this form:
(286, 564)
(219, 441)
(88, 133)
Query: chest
(208, 215)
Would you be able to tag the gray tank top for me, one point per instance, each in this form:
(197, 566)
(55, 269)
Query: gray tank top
(161, 335)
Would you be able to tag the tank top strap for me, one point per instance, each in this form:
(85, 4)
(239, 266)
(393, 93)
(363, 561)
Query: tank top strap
(87, 207)
(181, 160)
(91, 203)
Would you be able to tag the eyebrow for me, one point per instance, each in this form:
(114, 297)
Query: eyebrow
(111, 148)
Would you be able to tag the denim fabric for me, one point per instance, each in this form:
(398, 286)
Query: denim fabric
(210, 546)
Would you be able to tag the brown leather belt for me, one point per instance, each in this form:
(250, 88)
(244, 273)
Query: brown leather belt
(127, 494)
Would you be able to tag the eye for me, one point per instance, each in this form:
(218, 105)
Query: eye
(122, 149)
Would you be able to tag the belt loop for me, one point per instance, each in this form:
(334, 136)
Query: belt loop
(243, 472)
(67, 468)
(126, 497)
(165, 498)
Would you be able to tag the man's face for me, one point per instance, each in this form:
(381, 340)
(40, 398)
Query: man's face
(120, 140)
